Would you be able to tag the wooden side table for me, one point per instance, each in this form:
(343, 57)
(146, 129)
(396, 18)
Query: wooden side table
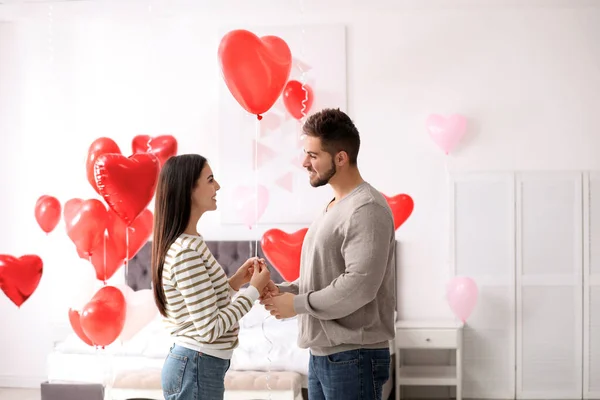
(429, 335)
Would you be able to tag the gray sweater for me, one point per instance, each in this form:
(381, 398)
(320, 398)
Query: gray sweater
(346, 290)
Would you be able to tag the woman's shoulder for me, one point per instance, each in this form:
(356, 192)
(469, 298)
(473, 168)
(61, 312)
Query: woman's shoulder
(184, 243)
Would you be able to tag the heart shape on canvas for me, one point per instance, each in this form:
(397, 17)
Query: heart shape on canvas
(250, 203)
(163, 147)
(127, 184)
(20, 277)
(402, 206)
(283, 251)
(255, 69)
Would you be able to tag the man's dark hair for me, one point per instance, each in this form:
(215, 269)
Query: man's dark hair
(336, 131)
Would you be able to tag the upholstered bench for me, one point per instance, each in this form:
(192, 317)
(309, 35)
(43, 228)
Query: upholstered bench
(246, 385)
(282, 384)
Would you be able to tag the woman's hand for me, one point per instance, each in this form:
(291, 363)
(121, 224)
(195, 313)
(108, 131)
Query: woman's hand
(244, 273)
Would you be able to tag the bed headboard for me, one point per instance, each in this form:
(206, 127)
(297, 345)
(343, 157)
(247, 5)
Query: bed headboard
(231, 254)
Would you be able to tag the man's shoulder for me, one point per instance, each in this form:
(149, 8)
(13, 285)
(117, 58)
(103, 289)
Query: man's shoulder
(369, 197)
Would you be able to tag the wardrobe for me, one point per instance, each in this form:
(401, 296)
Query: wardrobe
(531, 241)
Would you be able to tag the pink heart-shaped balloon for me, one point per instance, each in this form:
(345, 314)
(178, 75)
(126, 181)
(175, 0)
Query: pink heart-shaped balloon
(446, 132)
(250, 203)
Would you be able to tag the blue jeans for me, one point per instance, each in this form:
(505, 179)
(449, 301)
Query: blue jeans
(349, 375)
(190, 375)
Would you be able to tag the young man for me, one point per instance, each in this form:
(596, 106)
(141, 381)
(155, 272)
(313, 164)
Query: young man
(345, 296)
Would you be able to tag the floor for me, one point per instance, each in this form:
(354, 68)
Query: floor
(19, 394)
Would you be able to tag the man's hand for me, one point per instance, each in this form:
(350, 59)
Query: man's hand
(269, 291)
(281, 306)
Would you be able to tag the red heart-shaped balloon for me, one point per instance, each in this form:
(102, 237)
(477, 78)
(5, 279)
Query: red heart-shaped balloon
(103, 318)
(86, 221)
(163, 147)
(283, 251)
(297, 99)
(107, 261)
(255, 69)
(74, 320)
(98, 147)
(402, 206)
(127, 183)
(20, 277)
(137, 235)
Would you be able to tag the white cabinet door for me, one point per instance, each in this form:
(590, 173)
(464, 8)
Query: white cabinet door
(482, 232)
(549, 285)
(591, 287)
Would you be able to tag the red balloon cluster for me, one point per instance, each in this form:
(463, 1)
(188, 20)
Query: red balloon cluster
(256, 72)
(109, 237)
(108, 233)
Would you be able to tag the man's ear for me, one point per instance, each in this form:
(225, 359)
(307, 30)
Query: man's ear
(341, 158)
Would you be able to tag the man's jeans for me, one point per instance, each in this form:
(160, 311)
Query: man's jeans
(349, 375)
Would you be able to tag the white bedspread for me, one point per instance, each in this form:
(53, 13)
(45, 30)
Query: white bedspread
(73, 360)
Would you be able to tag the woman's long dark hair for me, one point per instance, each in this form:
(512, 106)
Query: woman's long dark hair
(172, 209)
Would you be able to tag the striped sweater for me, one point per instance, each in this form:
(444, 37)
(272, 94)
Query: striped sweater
(201, 314)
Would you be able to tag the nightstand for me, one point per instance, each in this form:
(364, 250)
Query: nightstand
(429, 335)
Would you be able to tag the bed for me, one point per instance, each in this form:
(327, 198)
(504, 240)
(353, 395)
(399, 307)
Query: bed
(268, 364)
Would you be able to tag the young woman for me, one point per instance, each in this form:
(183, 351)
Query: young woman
(191, 289)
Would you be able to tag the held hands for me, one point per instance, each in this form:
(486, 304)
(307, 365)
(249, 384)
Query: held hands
(281, 305)
(269, 291)
(261, 276)
(255, 271)
(244, 274)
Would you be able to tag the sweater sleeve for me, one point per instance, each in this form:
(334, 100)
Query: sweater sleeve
(192, 280)
(289, 287)
(365, 249)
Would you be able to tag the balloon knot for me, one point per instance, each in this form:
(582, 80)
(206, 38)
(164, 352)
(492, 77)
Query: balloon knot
(259, 117)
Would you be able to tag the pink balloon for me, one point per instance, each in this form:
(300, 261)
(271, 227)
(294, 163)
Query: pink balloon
(461, 293)
(250, 203)
(446, 132)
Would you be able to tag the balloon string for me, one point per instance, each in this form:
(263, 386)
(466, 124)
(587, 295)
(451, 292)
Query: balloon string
(448, 216)
(104, 277)
(268, 355)
(256, 134)
(303, 59)
(126, 252)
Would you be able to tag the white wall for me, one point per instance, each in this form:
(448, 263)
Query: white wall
(526, 74)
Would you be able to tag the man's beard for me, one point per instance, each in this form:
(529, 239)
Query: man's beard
(326, 177)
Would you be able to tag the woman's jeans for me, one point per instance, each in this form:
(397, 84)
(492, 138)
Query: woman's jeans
(190, 375)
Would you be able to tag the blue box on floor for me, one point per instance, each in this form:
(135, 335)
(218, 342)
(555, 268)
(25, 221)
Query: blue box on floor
(72, 391)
